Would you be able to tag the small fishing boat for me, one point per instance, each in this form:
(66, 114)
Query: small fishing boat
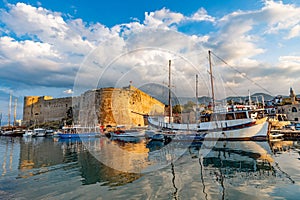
(12, 131)
(275, 136)
(39, 132)
(49, 133)
(123, 132)
(28, 133)
(75, 132)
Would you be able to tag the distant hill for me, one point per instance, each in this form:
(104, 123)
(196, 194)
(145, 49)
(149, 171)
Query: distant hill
(254, 97)
(160, 92)
(201, 100)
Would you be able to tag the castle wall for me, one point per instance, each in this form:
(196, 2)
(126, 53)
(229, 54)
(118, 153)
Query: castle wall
(32, 111)
(38, 110)
(105, 106)
(56, 109)
(88, 113)
(117, 106)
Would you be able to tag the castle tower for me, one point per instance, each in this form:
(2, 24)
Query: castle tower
(293, 96)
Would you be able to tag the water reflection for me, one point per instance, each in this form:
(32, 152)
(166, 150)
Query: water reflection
(121, 155)
(41, 155)
(9, 151)
(231, 167)
(178, 170)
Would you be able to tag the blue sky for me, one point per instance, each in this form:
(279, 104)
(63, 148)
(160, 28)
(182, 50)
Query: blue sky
(62, 48)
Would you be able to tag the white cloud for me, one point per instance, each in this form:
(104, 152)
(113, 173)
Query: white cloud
(162, 19)
(166, 19)
(290, 63)
(201, 15)
(281, 16)
(23, 50)
(55, 46)
(45, 26)
(68, 91)
(231, 84)
(295, 32)
(244, 35)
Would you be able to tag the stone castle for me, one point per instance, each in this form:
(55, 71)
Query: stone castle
(105, 106)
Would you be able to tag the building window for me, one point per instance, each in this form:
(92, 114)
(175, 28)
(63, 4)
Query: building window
(294, 109)
(296, 119)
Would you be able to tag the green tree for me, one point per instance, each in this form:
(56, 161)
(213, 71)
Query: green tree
(189, 106)
(176, 109)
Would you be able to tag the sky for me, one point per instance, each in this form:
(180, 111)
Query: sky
(63, 48)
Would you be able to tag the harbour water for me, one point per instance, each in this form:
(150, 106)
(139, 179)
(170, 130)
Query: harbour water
(100, 168)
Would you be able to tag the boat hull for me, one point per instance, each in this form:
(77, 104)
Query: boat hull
(74, 135)
(128, 134)
(254, 132)
(203, 126)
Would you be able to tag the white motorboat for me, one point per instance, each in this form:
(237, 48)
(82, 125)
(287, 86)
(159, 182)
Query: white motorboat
(28, 133)
(39, 132)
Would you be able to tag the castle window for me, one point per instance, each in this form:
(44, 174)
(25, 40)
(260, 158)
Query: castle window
(294, 109)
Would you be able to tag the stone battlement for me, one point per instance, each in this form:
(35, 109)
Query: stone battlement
(105, 106)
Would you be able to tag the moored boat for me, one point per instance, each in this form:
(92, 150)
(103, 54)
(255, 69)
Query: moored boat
(76, 132)
(12, 131)
(236, 122)
(28, 133)
(128, 133)
(39, 132)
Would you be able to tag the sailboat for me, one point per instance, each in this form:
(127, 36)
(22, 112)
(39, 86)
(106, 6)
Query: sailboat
(241, 122)
(12, 130)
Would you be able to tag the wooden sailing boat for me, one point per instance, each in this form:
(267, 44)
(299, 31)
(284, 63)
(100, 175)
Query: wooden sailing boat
(231, 122)
(12, 129)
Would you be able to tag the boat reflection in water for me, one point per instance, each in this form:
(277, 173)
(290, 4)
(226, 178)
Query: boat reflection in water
(224, 170)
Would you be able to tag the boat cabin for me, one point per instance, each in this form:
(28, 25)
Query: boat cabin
(225, 116)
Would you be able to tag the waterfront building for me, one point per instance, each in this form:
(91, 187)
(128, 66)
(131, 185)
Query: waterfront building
(291, 107)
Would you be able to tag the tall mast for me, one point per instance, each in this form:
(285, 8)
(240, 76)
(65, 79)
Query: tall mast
(197, 90)
(211, 81)
(170, 104)
(249, 97)
(196, 97)
(9, 109)
(15, 112)
(0, 119)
